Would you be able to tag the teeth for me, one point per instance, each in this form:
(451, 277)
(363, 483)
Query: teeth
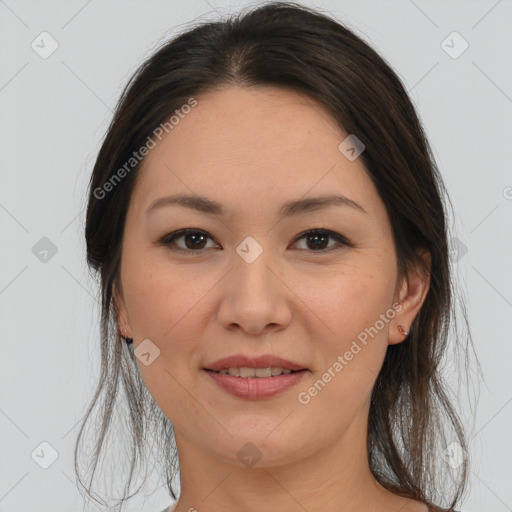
(247, 372)
(255, 372)
(263, 372)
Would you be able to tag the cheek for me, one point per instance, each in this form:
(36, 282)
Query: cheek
(162, 296)
(352, 345)
(165, 303)
(345, 303)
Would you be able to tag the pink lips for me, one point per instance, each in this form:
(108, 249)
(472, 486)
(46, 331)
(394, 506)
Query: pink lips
(255, 387)
(264, 361)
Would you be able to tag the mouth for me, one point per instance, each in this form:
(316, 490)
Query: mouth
(245, 372)
(255, 388)
(265, 365)
(255, 378)
(255, 383)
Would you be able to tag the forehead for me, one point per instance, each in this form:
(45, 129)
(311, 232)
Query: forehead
(256, 123)
(254, 143)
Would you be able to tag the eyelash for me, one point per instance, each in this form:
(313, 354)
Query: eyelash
(171, 237)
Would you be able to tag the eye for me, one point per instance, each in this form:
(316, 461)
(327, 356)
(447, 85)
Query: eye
(317, 238)
(195, 240)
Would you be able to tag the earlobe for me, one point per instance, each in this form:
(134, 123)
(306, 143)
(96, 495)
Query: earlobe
(414, 291)
(398, 335)
(121, 315)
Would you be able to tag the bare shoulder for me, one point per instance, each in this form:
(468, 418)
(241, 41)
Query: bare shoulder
(419, 506)
(434, 508)
(414, 506)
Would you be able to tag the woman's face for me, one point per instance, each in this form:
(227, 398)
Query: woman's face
(253, 285)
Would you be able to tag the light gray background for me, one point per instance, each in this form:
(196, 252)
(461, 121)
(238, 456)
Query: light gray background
(54, 113)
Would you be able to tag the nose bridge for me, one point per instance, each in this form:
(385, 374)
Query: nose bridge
(254, 296)
(253, 279)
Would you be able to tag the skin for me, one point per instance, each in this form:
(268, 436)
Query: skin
(252, 149)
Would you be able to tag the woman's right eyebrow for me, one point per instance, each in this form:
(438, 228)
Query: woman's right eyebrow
(294, 207)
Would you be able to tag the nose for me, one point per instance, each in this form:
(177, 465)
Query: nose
(254, 298)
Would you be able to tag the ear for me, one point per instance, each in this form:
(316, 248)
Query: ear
(411, 295)
(120, 311)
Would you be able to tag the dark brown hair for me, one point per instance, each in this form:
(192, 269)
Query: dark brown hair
(411, 419)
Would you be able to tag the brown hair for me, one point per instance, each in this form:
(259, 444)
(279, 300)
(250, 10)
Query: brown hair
(287, 45)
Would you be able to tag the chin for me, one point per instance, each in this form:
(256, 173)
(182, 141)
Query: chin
(260, 447)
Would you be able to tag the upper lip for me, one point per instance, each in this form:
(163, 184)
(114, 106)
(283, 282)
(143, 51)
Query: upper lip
(264, 361)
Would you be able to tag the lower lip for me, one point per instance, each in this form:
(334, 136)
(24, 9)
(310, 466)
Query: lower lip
(256, 388)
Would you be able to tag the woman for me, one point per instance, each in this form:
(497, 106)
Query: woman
(268, 224)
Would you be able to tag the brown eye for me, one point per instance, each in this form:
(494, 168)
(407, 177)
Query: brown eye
(194, 240)
(317, 240)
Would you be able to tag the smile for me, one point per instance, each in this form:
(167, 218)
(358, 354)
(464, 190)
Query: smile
(248, 385)
(244, 372)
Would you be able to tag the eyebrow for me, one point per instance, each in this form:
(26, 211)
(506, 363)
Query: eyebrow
(295, 207)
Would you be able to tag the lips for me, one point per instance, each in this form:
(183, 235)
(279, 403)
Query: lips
(255, 387)
(264, 361)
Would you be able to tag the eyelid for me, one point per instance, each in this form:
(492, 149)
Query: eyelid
(167, 240)
(341, 240)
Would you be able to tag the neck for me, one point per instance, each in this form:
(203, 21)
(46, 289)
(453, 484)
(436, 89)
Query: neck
(337, 478)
